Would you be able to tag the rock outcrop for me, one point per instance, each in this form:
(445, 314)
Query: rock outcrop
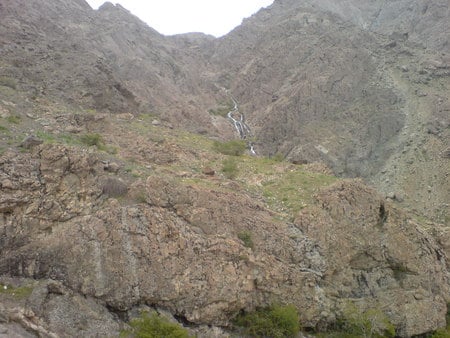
(177, 247)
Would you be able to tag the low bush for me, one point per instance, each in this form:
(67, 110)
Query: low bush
(246, 238)
(274, 321)
(234, 147)
(92, 140)
(154, 326)
(230, 168)
(370, 323)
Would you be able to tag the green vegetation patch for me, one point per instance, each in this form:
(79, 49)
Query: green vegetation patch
(286, 187)
(294, 190)
(72, 140)
(15, 119)
(230, 167)
(20, 292)
(275, 321)
(354, 323)
(92, 140)
(233, 147)
(154, 326)
(246, 238)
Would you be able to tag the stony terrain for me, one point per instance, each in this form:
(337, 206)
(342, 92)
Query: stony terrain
(116, 197)
(320, 85)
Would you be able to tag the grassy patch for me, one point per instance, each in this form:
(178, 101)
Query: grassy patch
(15, 119)
(4, 129)
(154, 326)
(68, 139)
(20, 292)
(274, 321)
(72, 140)
(294, 190)
(287, 188)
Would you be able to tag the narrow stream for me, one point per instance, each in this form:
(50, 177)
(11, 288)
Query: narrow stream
(238, 120)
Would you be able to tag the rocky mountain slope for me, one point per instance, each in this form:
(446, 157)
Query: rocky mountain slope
(104, 60)
(124, 200)
(348, 83)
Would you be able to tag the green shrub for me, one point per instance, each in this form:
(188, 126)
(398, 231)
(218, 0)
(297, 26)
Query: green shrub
(154, 326)
(92, 140)
(370, 323)
(229, 167)
(246, 237)
(3, 129)
(14, 119)
(7, 82)
(234, 147)
(274, 321)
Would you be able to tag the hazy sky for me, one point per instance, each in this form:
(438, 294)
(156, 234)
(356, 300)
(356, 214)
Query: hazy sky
(215, 17)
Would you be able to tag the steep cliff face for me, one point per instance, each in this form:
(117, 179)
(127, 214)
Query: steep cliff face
(310, 91)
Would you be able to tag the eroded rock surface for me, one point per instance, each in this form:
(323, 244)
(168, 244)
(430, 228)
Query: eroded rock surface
(178, 247)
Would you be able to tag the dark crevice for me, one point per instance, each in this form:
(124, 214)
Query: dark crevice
(118, 314)
(382, 215)
(183, 320)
